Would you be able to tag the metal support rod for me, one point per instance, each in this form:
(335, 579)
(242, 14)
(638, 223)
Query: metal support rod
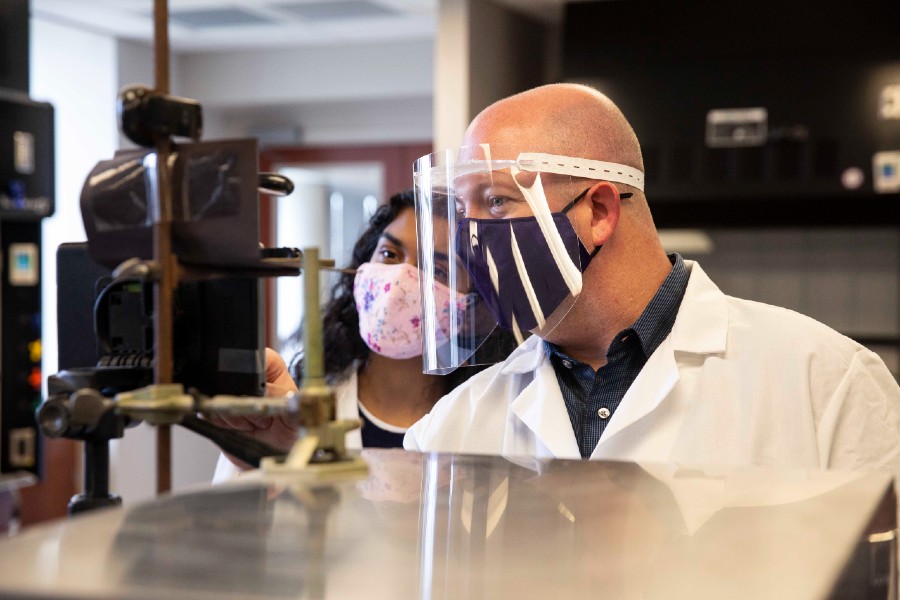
(313, 356)
(314, 386)
(161, 44)
(96, 468)
(96, 479)
(162, 253)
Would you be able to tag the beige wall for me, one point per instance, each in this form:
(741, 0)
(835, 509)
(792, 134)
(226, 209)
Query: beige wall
(485, 51)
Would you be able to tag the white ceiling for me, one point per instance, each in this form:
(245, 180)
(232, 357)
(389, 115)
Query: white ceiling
(211, 25)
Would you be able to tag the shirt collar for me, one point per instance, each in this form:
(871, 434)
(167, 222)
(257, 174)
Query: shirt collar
(701, 326)
(656, 321)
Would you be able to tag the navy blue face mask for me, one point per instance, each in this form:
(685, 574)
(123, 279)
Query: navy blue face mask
(508, 300)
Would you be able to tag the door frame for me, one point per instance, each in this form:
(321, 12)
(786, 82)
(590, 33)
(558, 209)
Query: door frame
(396, 159)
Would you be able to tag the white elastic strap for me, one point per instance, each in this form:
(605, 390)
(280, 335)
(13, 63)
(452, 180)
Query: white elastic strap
(526, 280)
(581, 167)
(517, 333)
(535, 198)
(492, 270)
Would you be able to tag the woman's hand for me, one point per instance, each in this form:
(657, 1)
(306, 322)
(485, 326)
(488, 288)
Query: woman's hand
(277, 430)
(278, 380)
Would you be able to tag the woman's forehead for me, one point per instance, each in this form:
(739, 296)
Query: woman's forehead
(403, 227)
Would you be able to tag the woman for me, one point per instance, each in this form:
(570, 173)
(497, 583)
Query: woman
(373, 342)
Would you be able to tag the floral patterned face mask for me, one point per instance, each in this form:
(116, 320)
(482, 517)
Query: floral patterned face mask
(390, 315)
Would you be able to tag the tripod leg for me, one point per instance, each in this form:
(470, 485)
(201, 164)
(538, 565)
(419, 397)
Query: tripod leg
(96, 479)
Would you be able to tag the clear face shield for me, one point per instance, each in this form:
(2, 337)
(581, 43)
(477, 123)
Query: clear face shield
(496, 262)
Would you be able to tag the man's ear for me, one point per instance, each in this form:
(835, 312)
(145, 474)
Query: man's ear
(603, 199)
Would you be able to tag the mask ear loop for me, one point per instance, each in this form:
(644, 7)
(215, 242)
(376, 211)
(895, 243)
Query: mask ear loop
(568, 207)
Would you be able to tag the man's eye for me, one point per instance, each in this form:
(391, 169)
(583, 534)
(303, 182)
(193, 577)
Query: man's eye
(496, 201)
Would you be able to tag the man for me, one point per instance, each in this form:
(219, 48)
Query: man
(636, 355)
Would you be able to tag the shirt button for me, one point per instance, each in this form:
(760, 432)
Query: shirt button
(567, 364)
(603, 413)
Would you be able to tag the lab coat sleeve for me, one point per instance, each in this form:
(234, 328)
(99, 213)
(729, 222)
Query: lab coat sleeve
(411, 441)
(448, 427)
(860, 428)
(444, 428)
(225, 470)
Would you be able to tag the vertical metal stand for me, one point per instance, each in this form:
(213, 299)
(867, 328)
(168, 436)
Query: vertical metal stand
(314, 385)
(321, 449)
(166, 283)
(96, 479)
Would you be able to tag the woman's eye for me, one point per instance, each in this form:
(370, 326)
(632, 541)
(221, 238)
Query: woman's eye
(496, 201)
(388, 255)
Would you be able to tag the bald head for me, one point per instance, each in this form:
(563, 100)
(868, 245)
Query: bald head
(575, 121)
(566, 119)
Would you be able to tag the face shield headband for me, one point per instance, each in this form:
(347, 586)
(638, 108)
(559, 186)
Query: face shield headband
(518, 269)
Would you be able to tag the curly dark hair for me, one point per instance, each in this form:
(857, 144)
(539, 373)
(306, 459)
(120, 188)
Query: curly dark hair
(340, 321)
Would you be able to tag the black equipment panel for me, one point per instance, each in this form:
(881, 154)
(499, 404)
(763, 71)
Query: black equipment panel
(26, 196)
(828, 76)
(26, 158)
(20, 385)
(14, 45)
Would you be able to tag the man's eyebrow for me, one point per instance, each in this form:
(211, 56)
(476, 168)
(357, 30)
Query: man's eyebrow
(392, 239)
(441, 256)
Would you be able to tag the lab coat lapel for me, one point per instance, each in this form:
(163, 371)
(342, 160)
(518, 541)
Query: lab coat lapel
(541, 408)
(701, 327)
(652, 385)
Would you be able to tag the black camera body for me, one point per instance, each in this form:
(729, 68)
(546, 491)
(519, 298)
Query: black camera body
(107, 323)
(147, 117)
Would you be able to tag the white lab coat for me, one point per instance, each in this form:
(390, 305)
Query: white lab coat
(735, 383)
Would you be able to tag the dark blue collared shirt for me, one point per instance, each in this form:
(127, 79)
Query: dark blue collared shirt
(592, 397)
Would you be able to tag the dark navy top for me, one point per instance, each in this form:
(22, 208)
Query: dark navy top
(374, 436)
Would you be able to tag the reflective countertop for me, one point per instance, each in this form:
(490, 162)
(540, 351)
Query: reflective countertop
(460, 526)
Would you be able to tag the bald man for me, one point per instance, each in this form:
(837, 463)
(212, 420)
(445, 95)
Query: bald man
(636, 354)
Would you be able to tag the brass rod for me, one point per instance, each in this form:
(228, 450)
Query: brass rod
(164, 289)
(161, 44)
(163, 459)
(314, 386)
(313, 356)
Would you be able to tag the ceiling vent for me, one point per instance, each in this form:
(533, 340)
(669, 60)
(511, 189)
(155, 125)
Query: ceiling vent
(219, 17)
(337, 10)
